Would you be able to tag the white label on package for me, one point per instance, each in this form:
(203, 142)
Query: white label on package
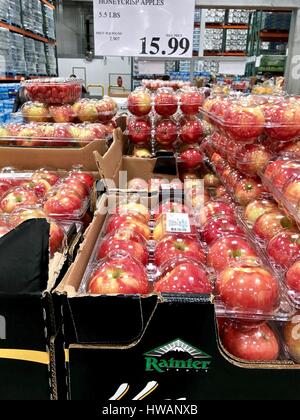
(178, 223)
(144, 28)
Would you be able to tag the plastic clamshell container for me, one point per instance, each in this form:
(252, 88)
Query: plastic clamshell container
(38, 134)
(54, 90)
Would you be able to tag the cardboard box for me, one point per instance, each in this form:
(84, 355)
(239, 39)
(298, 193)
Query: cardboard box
(154, 347)
(114, 161)
(27, 320)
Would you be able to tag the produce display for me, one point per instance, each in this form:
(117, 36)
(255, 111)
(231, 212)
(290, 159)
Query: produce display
(83, 110)
(153, 85)
(37, 134)
(167, 120)
(54, 90)
(44, 193)
(254, 151)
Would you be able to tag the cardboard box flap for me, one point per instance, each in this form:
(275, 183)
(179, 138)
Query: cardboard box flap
(114, 320)
(60, 158)
(24, 259)
(113, 161)
(110, 163)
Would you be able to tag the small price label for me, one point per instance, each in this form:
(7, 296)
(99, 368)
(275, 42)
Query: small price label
(178, 223)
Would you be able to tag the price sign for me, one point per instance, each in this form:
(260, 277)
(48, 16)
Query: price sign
(144, 28)
(178, 223)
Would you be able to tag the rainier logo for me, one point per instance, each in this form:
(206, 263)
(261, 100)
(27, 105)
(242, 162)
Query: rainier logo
(177, 355)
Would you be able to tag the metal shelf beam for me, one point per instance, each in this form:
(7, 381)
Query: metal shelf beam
(252, 4)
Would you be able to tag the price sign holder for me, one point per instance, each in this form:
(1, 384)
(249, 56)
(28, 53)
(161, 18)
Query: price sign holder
(144, 28)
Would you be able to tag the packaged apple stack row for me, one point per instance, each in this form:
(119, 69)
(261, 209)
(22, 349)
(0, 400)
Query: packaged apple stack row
(165, 119)
(255, 319)
(252, 129)
(154, 85)
(84, 110)
(274, 231)
(44, 194)
(242, 189)
(52, 134)
(58, 117)
(281, 177)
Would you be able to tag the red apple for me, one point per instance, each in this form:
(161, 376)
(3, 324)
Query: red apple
(271, 223)
(134, 209)
(165, 102)
(141, 152)
(61, 113)
(273, 166)
(253, 344)
(51, 177)
(211, 181)
(179, 245)
(126, 220)
(248, 287)
(16, 197)
(139, 131)
(214, 208)
(191, 101)
(35, 112)
(28, 137)
(244, 124)
(137, 184)
(85, 177)
(227, 250)
(5, 185)
(293, 148)
(291, 191)
(257, 208)
(191, 159)
(139, 103)
(292, 277)
(252, 158)
(183, 276)
(288, 170)
(284, 248)
(87, 111)
(56, 237)
(166, 132)
(220, 227)
(63, 203)
(119, 274)
(77, 186)
(291, 333)
(283, 120)
(191, 131)
(116, 242)
(246, 190)
(221, 192)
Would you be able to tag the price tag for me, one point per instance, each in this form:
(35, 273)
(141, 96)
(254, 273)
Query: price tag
(144, 28)
(178, 223)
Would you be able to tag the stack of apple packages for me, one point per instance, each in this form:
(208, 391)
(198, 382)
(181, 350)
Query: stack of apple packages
(167, 121)
(154, 85)
(60, 199)
(55, 116)
(254, 151)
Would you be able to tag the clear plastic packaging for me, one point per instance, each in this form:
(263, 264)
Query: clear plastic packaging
(84, 110)
(54, 90)
(162, 120)
(50, 134)
(251, 117)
